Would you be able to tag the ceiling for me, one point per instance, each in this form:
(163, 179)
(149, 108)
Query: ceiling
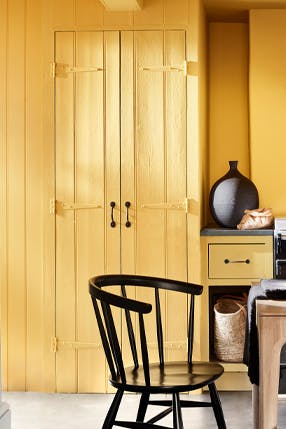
(238, 9)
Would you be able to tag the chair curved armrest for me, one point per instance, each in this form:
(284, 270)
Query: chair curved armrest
(117, 300)
(154, 282)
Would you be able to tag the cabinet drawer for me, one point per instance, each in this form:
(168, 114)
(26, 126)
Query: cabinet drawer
(239, 261)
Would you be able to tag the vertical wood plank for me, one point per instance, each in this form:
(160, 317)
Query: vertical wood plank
(197, 160)
(150, 154)
(16, 208)
(150, 167)
(65, 220)
(112, 157)
(128, 151)
(112, 148)
(176, 181)
(49, 219)
(3, 187)
(90, 187)
(176, 153)
(128, 235)
(34, 204)
(197, 146)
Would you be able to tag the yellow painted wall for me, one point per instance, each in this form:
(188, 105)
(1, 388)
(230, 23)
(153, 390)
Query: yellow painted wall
(27, 163)
(228, 98)
(22, 194)
(268, 106)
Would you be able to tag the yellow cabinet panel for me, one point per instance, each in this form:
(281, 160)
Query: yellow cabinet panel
(240, 261)
(231, 261)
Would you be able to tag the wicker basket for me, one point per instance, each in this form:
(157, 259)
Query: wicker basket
(229, 330)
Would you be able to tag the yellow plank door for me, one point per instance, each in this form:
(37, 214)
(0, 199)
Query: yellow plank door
(153, 174)
(121, 138)
(87, 182)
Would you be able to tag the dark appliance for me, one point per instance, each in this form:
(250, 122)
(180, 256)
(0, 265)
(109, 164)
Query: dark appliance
(280, 248)
(280, 273)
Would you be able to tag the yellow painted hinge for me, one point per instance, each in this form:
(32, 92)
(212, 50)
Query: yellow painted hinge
(167, 68)
(184, 205)
(171, 345)
(192, 68)
(56, 207)
(55, 344)
(62, 70)
(73, 345)
(68, 205)
(52, 206)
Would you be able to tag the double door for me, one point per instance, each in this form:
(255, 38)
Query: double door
(121, 155)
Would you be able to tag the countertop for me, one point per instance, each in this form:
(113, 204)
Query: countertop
(215, 230)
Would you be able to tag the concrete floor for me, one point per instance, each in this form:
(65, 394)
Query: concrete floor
(87, 411)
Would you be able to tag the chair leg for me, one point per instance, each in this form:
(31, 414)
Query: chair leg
(144, 400)
(111, 415)
(177, 412)
(217, 408)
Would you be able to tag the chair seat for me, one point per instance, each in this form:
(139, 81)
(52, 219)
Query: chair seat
(173, 376)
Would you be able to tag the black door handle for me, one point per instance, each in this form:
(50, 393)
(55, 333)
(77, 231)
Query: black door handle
(127, 223)
(112, 223)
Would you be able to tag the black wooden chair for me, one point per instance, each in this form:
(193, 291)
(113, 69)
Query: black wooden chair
(144, 377)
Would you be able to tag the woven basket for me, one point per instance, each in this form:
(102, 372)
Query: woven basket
(229, 330)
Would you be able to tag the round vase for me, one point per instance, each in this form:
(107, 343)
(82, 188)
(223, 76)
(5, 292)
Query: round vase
(230, 196)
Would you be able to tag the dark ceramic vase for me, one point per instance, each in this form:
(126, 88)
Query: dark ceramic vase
(230, 196)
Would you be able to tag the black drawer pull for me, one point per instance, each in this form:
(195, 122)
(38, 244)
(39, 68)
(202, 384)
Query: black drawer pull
(237, 261)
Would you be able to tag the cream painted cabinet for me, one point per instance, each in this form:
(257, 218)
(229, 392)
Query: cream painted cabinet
(232, 261)
(120, 150)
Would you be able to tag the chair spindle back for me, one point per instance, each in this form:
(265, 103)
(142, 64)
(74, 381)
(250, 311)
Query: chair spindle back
(108, 332)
